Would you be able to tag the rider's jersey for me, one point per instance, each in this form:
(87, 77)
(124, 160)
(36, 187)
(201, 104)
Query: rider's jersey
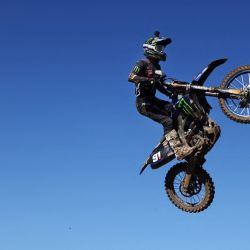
(143, 75)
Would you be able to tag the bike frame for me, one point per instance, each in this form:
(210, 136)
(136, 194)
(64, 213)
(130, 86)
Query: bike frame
(195, 86)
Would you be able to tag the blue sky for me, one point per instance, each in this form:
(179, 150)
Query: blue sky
(72, 142)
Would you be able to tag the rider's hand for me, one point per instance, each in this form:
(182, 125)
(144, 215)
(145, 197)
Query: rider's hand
(160, 79)
(149, 81)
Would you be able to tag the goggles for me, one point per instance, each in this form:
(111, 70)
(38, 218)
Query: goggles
(158, 48)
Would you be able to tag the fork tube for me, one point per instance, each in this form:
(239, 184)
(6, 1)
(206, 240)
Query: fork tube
(188, 174)
(186, 181)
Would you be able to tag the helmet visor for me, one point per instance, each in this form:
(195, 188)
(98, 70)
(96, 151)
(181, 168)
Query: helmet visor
(159, 48)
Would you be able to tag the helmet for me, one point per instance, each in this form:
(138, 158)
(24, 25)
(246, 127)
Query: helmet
(154, 47)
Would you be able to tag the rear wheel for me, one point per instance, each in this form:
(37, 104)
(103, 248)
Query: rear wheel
(237, 109)
(200, 192)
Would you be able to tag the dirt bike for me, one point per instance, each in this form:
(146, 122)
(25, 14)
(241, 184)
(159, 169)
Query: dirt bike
(187, 184)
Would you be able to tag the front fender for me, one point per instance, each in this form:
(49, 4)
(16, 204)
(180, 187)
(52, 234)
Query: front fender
(204, 74)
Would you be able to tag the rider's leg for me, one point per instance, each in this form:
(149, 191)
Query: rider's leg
(181, 148)
(157, 110)
(153, 109)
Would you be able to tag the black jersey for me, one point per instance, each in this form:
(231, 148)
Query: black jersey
(143, 75)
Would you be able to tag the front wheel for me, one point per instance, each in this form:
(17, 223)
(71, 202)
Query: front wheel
(237, 109)
(200, 192)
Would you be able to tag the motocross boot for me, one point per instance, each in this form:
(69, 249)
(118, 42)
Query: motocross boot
(180, 149)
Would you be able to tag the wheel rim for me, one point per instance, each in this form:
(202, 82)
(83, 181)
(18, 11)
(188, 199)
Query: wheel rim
(195, 193)
(239, 107)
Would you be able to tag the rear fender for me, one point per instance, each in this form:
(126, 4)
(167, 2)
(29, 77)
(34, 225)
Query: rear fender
(160, 156)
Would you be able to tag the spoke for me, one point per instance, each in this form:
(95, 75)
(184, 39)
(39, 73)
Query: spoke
(233, 85)
(198, 198)
(240, 82)
(230, 104)
(242, 111)
(178, 178)
(236, 83)
(182, 174)
(192, 199)
(248, 78)
(236, 108)
(248, 111)
(233, 102)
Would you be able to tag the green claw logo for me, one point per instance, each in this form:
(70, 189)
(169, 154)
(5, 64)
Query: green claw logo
(136, 69)
(185, 106)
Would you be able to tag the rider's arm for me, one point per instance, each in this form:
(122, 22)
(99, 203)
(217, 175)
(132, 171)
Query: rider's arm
(136, 75)
(163, 89)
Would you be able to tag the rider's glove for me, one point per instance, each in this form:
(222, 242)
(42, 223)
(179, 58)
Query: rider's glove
(160, 78)
(146, 81)
(154, 80)
(149, 81)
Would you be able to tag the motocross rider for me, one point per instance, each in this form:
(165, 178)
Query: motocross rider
(146, 83)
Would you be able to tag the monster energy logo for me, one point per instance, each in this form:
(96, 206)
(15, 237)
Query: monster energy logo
(185, 106)
(154, 41)
(151, 41)
(136, 69)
